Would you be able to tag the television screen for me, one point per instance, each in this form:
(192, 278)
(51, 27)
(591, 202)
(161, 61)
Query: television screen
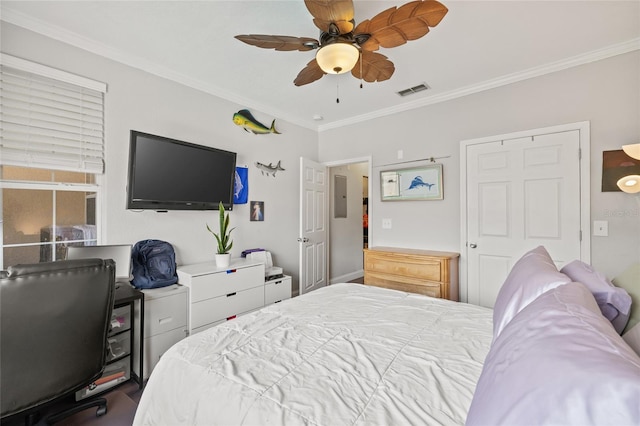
(168, 174)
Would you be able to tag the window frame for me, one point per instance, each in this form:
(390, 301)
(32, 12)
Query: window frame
(99, 177)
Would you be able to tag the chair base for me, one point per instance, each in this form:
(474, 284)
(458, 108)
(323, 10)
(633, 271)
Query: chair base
(101, 403)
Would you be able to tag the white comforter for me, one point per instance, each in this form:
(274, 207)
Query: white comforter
(342, 355)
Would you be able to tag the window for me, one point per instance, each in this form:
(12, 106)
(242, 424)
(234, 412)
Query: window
(51, 159)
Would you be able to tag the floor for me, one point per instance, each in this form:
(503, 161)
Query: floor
(122, 403)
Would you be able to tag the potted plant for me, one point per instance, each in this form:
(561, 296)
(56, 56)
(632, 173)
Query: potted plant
(223, 254)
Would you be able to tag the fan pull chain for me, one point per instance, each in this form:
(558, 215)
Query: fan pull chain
(337, 90)
(360, 52)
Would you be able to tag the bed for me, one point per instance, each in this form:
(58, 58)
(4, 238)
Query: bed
(350, 354)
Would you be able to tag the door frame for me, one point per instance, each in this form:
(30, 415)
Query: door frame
(329, 164)
(585, 189)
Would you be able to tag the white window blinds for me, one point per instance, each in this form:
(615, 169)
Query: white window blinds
(50, 119)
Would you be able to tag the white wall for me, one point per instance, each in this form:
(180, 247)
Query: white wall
(345, 234)
(606, 93)
(141, 101)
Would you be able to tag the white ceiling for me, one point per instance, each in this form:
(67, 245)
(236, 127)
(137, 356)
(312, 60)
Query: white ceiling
(478, 45)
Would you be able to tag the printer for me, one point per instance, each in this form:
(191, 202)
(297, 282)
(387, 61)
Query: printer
(260, 255)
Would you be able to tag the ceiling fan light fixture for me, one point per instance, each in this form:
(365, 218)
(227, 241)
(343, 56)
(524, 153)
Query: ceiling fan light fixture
(337, 58)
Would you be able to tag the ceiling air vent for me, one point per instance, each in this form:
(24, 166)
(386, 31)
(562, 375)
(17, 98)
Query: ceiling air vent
(412, 90)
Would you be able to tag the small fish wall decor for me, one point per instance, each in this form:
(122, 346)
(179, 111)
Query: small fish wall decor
(418, 182)
(269, 169)
(247, 121)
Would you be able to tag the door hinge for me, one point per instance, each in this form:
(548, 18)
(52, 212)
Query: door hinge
(581, 235)
(579, 153)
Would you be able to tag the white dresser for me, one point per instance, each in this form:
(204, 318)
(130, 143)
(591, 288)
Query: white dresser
(220, 294)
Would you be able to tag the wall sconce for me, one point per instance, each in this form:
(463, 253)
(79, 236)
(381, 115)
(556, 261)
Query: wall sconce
(630, 183)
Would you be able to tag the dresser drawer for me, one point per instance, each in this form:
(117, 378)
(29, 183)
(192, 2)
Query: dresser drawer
(204, 287)
(165, 314)
(411, 266)
(156, 346)
(277, 290)
(222, 307)
(404, 284)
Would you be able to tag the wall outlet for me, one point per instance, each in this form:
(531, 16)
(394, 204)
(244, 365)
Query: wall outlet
(400, 154)
(386, 224)
(600, 228)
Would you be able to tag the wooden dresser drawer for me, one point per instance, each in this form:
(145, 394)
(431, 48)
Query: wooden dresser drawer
(427, 272)
(404, 284)
(405, 266)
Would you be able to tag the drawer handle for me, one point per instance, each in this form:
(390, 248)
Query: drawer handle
(165, 320)
(231, 294)
(231, 317)
(278, 301)
(277, 282)
(231, 271)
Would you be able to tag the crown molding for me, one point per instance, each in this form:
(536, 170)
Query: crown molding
(574, 61)
(99, 49)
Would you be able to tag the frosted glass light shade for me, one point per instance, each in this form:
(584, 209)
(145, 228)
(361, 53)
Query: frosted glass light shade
(632, 150)
(630, 184)
(337, 58)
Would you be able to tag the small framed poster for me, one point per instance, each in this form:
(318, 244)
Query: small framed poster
(419, 183)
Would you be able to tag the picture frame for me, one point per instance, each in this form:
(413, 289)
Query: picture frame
(416, 183)
(256, 212)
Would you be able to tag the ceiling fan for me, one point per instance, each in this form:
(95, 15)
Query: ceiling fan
(345, 47)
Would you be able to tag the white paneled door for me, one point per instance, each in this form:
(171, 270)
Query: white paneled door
(313, 225)
(520, 193)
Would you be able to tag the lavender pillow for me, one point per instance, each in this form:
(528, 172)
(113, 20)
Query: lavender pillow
(533, 274)
(614, 302)
(558, 362)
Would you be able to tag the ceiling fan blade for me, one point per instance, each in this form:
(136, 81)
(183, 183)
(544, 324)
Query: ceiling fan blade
(326, 12)
(375, 67)
(309, 74)
(395, 26)
(278, 42)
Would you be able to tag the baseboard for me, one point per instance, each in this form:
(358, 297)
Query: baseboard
(347, 277)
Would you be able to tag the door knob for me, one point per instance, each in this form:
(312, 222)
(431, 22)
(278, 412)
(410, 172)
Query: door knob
(303, 240)
(473, 245)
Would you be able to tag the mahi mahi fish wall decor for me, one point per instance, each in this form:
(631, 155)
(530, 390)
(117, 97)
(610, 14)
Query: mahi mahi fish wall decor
(247, 121)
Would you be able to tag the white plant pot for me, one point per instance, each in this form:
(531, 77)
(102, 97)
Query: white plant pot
(222, 260)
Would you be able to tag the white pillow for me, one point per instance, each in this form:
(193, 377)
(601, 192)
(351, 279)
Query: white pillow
(533, 274)
(558, 362)
(614, 302)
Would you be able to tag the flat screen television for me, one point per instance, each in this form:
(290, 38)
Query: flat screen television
(168, 174)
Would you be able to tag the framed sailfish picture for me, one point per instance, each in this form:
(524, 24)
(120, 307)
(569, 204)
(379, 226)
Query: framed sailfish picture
(419, 183)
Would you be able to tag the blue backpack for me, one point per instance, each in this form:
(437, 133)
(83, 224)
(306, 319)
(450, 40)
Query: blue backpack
(153, 264)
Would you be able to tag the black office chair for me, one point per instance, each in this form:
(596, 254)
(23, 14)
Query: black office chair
(55, 317)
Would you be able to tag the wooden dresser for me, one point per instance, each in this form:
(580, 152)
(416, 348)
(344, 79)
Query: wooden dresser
(433, 273)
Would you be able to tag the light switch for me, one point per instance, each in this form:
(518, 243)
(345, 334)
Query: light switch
(386, 223)
(600, 228)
